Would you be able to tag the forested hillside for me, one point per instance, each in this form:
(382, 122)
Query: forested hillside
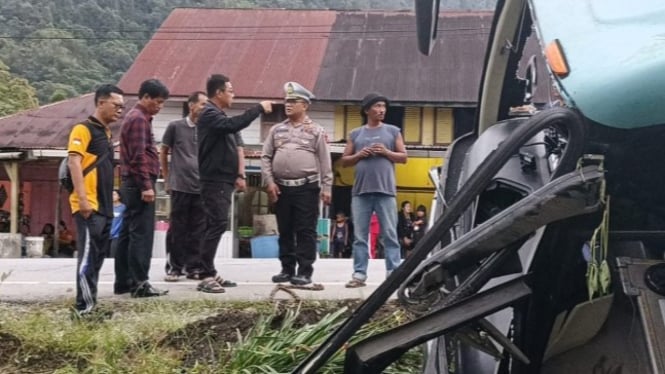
(64, 48)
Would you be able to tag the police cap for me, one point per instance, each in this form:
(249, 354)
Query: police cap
(295, 91)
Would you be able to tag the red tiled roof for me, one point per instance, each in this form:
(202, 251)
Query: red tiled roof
(258, 49)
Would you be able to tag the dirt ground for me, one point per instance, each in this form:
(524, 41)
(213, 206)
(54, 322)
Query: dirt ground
(203, 341)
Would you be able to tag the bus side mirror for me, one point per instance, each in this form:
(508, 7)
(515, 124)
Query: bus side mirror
(427, 19)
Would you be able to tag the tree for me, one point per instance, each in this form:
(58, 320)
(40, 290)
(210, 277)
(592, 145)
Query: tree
(16, 94)
(67, 47)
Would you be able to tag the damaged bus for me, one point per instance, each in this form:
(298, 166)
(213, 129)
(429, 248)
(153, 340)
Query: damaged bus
(546, 254)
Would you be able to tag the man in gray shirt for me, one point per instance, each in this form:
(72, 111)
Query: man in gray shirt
(187, 221)
(374, 148)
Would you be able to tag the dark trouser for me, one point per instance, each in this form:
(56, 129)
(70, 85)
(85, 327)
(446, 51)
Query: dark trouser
(297, 211)
(337, 248)
(66, 250)
(186, 228)
(92, 240)
(134, 252)
(216, 198)
(113, 248)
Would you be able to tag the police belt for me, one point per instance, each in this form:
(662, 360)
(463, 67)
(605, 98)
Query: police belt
(297, 182)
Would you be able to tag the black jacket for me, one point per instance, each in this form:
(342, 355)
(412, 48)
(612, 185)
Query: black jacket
(218, 151)
(404, 226)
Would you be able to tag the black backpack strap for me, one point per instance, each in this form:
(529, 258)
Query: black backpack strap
(103, 157)
(94, 164)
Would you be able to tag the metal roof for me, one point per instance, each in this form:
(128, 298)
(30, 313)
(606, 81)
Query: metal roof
(48, 127)
(380, 54)
(341, 55)
(258, 49)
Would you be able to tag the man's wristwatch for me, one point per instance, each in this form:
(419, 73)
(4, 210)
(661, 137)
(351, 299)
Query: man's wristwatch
(242, 176)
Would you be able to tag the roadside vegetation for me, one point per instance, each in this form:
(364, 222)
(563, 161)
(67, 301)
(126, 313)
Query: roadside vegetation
(200, 336)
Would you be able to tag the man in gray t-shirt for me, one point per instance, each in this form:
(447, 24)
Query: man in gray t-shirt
(374, 148)
(181, 174)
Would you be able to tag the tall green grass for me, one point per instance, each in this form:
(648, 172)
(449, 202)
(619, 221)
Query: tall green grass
(131, 340)
(269, 350)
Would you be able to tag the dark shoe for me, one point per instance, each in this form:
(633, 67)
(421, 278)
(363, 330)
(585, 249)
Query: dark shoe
(195, 276)
(301, 280)
(119, 290)
(281, 278)
(147, 290)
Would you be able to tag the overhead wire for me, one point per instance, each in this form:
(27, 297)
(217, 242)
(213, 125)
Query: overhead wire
(214, 36)
(287, 33)
(235, 27)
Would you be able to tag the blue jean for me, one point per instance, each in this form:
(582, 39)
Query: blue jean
(385, 207)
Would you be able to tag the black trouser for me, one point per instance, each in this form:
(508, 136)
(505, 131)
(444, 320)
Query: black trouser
(297, 211)
(113, 248)
(134, 252)
(186, 229)
(216, 198)
(92, 241)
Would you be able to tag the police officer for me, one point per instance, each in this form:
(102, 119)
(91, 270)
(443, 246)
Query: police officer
(297, 171)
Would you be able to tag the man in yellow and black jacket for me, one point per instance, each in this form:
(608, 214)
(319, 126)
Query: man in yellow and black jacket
(91, 166)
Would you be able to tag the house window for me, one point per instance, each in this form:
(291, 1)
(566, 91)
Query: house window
(340, 133)
(353, 118)
(412, 129)
(443, 126)
(409, 119)
(269, 119)
(350, 117)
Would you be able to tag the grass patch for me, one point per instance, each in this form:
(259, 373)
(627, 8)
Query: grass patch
(159, 336)
(277, 350)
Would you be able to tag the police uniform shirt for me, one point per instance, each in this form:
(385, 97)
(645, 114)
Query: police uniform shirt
(296, 151)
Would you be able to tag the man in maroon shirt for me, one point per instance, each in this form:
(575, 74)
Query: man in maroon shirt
(139, 167)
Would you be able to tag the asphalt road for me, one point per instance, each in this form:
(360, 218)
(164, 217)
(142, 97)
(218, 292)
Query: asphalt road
(42, 279)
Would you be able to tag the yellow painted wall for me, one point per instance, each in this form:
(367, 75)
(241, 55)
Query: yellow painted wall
(414, 174)
(343, 176)
(413, 183)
